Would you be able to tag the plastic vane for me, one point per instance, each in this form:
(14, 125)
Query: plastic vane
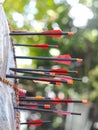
(36, 105)
(35, 122)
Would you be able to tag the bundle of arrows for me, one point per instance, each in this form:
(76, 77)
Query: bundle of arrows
(55, 76)
(24, 100)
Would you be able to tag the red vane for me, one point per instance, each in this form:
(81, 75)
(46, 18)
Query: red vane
(64, 77)
(31, 106)
(49, 80)
(43, 46)
(63, 62)
(62, 112)
(69, 80)
(59, 70)
(22, 92)
(34, 122)
(55, 33)
(62, 100)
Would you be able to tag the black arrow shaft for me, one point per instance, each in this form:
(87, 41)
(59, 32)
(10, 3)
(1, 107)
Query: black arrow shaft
(48, 111)
(50, 100)
(35, 78)
(45, 58)
(37, 33)
(42, 70)
(34, 45)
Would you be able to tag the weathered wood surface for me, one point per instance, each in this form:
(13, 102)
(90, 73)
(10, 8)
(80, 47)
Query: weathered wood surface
(7, 95)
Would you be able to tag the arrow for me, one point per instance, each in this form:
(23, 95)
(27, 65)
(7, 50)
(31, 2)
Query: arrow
(62, 59)
(52, 71)
(36, 73)
(52, 100)
(54, 33)
(51, 75)
(48, 111)
(42, 46)
(40, 79)
(35, 122)
(45, 106)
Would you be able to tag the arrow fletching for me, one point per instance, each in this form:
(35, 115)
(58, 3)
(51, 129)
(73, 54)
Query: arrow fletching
(22, 92)
(62, 71)
(57, 33)
(68, 59)
(63, 77)
(35, 122)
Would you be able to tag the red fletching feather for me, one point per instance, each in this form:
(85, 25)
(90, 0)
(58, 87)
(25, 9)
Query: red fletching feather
(22, 92)
(55, 33)
(63, 62)
(64, 77)
(68, 79)
(62, 113)
(58, 100)
(43, 46)
(34, 122)
(59, 71)
(31, 106)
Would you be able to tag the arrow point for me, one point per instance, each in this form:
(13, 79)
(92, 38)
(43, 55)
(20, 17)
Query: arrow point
(69, 81)
(79, 60)
(70, 33)
(84, 101)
